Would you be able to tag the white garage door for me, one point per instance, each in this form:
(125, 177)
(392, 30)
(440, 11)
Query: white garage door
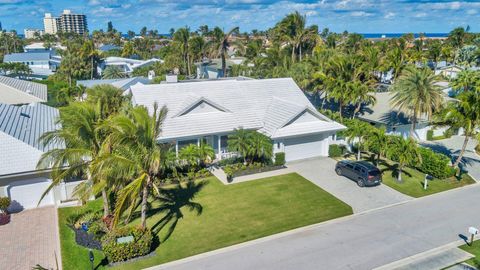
(26, 194)
(305, 147)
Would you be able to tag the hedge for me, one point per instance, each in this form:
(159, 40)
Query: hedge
(116, 252)
(435, 164)
(279, 159)
(335, 150)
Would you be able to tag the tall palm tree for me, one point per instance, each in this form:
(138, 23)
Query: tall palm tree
(406, 152)
(89, 52)
(378, 142)
(463, 114)
(361, 94)
(221, 43)
(357, 131)
(182, 37)
(78, 132)
(293, 30)
(136, 156)
(416, 94)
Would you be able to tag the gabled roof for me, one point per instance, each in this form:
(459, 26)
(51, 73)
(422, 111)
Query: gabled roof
(265, 105)
(193, 101)
(21, 156)
(28, 122)
(16, 91)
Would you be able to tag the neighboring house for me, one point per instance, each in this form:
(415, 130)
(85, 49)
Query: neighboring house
(42, 63)
(126, 65)
(16, 91)
(108, 47)
(449, 71)
(40, 47)
(20, 151)
(211, 110)
(123, 84)
(382, 114)
(212, 68)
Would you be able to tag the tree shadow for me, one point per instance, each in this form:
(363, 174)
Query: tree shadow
(172, 200)
(393, 168)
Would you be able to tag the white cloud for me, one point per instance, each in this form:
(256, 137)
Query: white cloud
(360, 14)
(420, 15)
(389, 15)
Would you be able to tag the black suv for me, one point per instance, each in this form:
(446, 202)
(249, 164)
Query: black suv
(362, 172)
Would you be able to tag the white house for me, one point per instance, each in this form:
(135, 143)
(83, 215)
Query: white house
(41, 63)
(212, 68)
(126, 65)
(16, 91)
(20, 151)
(213, 109)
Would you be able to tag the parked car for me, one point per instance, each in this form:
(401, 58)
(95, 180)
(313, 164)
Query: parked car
(362, 172)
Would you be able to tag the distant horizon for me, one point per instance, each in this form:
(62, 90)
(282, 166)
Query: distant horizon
(367, 16)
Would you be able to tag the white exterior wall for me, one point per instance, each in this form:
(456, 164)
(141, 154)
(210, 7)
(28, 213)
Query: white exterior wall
(404, 131)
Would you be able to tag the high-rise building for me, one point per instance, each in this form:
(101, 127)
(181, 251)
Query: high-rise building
(1, 26)
(50, 24)
(76, 23)
(32, 33)
(67, 22)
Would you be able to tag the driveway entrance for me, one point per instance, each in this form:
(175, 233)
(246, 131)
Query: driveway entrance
(321, 171)
(29, 239)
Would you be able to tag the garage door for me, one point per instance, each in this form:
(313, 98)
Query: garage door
(26, 194)
(305, 147)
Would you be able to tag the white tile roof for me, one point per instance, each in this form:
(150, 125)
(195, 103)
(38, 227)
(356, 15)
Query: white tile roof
(265, 105)
(16, 91)
(17, 156)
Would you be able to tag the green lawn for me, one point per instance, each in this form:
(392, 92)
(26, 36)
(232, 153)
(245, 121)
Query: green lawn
(231, 214)
(413, 180)
(475, 250)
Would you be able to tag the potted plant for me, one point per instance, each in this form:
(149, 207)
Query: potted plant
(4, 215)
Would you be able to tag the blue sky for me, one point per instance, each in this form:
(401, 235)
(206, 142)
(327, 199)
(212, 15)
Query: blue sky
(362, 16)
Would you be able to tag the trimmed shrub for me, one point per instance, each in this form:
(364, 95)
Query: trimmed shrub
(435, 164)
(4, 204)
(335, 150)
(117, 252)
(279, 159)
(430, 135)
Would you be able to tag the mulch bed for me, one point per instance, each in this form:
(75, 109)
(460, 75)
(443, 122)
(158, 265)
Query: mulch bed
(86, 239)
(257, 170)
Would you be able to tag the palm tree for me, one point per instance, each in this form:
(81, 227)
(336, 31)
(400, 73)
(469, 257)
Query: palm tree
(205, 152)
(293, 30)
(189, 155)
(221, 43)
(137, 156)
(89, 52)
(378, 142)
(463, 114)
(466, 80)
(78, 132)
(112, 72)
(357, 130)
(239, 142)
(182, 37)
(406, 152)
(261, 146)
(361, 94)
(416, 94)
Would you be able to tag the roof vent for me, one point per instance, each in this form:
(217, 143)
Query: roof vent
(24, 115)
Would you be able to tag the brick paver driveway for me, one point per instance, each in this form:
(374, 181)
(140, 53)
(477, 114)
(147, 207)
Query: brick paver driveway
(30, 238)
(321, 171)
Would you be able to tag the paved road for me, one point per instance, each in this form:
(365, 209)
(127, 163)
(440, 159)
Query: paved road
(321, 171)
(363, 241)
(452, 146)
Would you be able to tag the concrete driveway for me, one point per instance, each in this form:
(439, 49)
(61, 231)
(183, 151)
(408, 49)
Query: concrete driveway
(30, 238)
(451, 147)
(321, 171)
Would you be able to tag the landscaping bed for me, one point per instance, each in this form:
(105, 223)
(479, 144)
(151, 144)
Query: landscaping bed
(232, 214)
(239, 169)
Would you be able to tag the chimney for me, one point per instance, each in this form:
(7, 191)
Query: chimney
(172, 78)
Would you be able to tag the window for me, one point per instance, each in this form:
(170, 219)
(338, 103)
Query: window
(350, 166)
(357, 169)
(278, 145)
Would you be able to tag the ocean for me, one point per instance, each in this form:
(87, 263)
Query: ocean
(397, 35)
